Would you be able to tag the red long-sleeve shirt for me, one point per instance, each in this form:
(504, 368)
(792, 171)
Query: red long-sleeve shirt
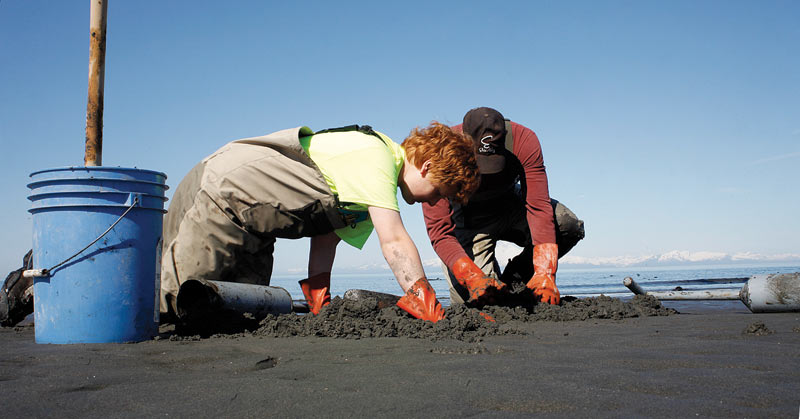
(539, 212)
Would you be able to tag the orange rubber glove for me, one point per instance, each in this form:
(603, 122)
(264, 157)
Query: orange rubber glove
(420, 301)
(482, 288)
(317, 291)
(545, 264)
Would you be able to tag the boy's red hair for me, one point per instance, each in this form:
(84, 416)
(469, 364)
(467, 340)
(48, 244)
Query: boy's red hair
(452, 155)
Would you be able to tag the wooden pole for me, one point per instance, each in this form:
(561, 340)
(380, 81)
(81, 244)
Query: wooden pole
(97, 69)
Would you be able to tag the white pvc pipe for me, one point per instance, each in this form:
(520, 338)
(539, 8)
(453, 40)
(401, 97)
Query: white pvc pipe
(771, 293)
(722, 294)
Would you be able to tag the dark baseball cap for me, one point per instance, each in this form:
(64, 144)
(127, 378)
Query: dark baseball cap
(487, 127)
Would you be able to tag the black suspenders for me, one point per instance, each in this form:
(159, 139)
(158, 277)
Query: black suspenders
(364, 129)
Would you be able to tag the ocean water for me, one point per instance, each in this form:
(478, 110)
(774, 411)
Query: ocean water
(574, 282)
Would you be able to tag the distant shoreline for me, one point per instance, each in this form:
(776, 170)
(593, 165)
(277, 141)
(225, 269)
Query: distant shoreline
(563, 268)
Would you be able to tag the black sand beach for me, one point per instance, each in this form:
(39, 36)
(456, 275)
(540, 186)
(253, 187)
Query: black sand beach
(711, 360)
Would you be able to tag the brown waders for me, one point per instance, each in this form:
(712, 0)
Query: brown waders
(227, 212)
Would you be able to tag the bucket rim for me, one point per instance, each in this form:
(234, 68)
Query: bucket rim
(97, 168)
(66, 194)
(39, 183)
(95, 206)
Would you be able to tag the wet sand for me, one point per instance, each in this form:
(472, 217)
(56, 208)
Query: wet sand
(711, 360)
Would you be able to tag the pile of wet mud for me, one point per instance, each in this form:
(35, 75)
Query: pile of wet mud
(356, 319)
(369, 315)
(757, 329)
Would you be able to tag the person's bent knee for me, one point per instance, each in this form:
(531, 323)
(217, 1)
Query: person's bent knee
(570, 229)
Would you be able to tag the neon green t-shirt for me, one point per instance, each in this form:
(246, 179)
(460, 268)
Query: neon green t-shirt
(362, 170)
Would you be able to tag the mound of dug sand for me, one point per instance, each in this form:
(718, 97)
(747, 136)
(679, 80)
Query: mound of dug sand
(355, 319)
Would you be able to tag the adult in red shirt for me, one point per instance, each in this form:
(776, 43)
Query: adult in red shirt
(512, 204)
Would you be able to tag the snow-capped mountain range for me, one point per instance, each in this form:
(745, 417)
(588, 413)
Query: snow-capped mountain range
(668, 259)
(678, 258)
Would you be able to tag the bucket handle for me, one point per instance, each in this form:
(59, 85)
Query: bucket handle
(34, 273)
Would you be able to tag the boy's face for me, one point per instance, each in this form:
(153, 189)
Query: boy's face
(417, 186)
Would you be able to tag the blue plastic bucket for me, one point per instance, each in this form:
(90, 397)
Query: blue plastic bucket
(109, 292)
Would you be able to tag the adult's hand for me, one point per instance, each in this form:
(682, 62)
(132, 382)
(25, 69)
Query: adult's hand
(482, 289)
(543, 282)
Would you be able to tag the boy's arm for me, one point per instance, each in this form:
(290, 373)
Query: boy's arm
(322, 253)
(403, 257)
(316, 288)
(397, 246)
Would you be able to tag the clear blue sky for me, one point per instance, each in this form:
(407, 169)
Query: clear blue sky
(666, 125)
